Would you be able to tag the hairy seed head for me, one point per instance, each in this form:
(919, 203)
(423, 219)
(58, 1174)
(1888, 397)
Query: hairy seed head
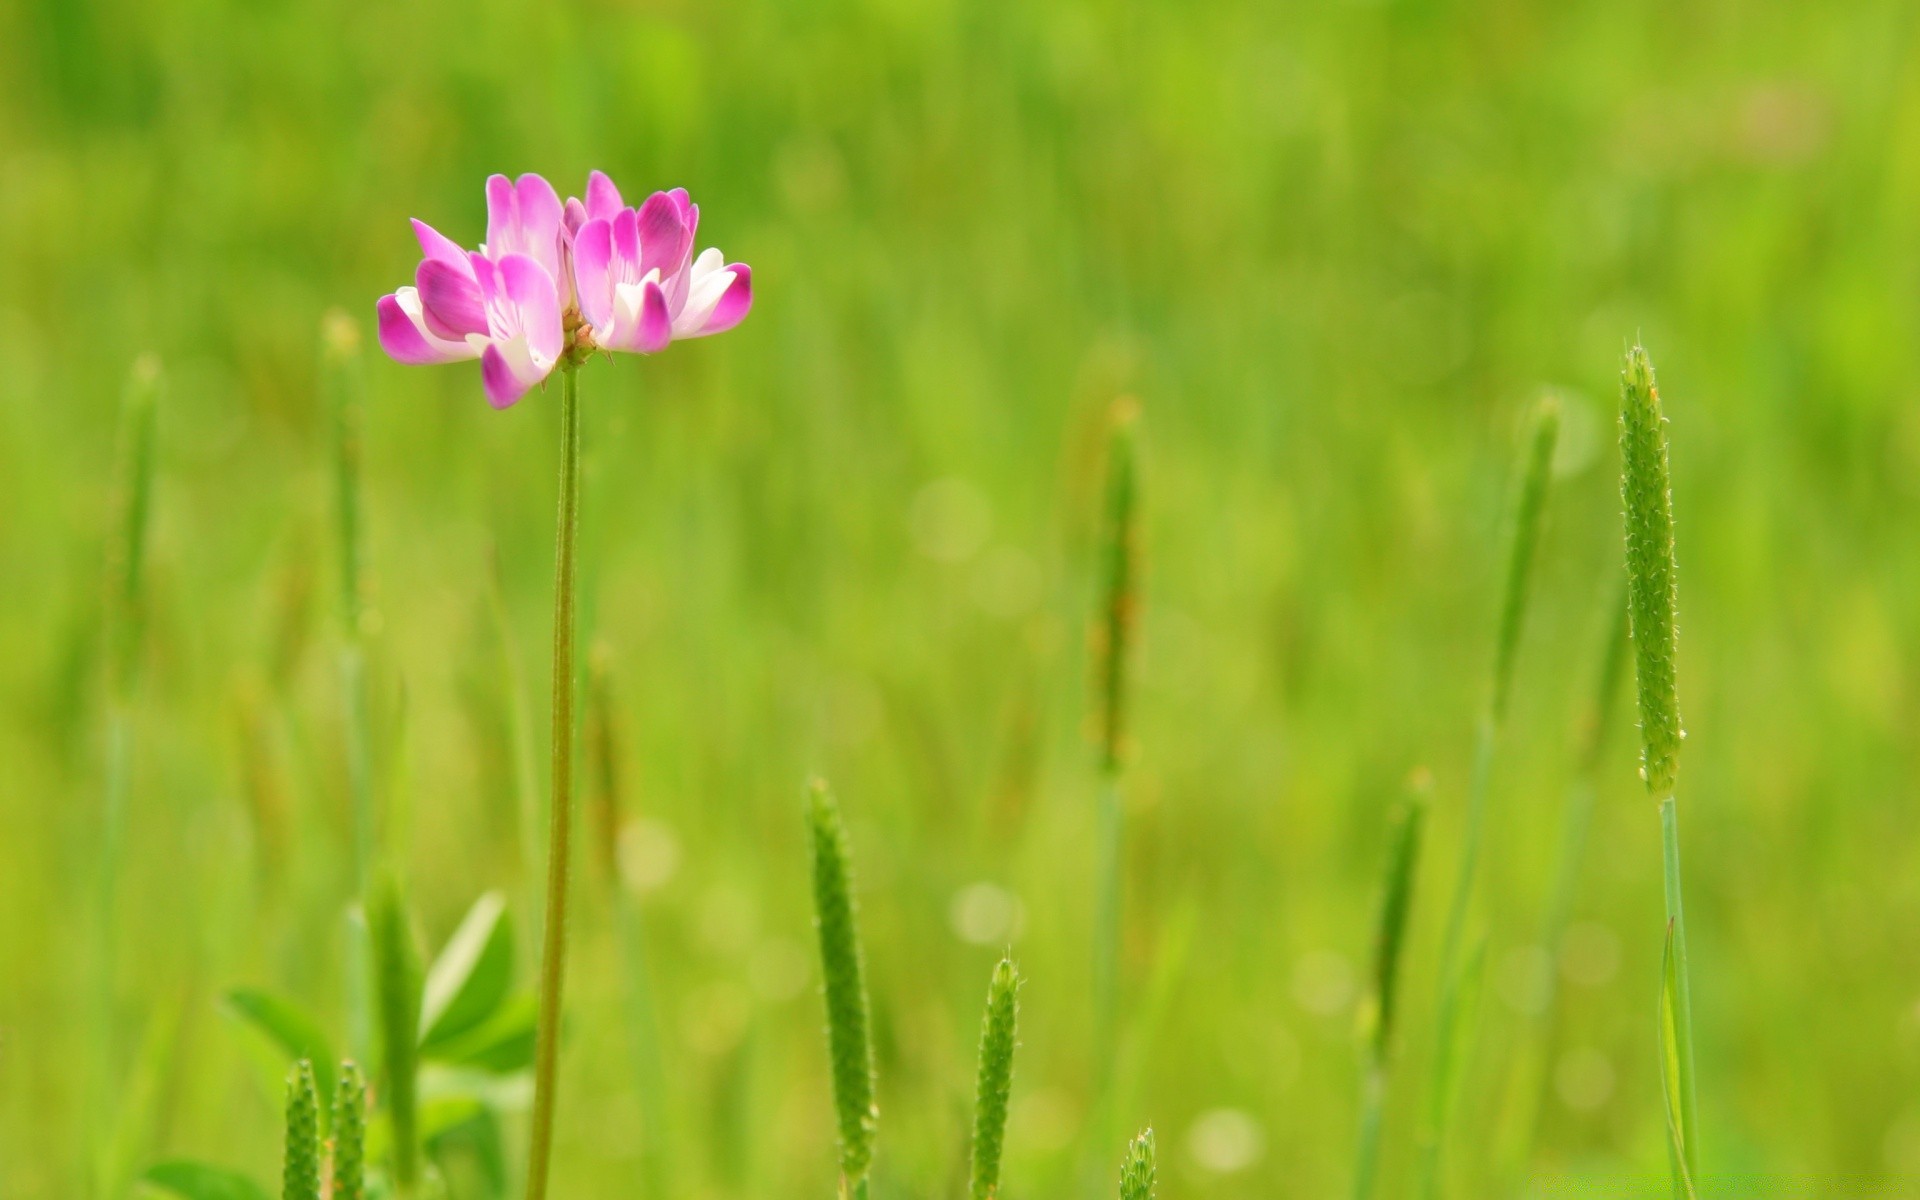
(1647, 491)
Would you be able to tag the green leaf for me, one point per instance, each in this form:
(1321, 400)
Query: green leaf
(472, 975)
(202, 1181)
(1677, 1132)
(502, 1043)
(288, 1027)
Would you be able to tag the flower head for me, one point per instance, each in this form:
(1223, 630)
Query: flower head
(555, 281)
(639, 284)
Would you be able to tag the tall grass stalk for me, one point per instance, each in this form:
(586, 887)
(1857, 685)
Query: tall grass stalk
(843, 974)
(397, 984)
(345, 388)
(1396, 898)
(553, 962)
(1530, 1078)
(643, 1031)
(1646, 489)
(999, 1030)
(1449, 1033)
(123, 626)
(1113, 637)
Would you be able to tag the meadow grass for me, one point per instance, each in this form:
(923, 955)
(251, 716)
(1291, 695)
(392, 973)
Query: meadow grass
(1389, 942)
(1331, 247)
(1646, 490)
(1458, 970)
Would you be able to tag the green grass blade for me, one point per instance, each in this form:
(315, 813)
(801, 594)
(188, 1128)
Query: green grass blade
(1672, 1072)
(1528, 513)
(192, 1180)
(998, 1037)
(396, 978)
(843, 972)
(1376, 1020)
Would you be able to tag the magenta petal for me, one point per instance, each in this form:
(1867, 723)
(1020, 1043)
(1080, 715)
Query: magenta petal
(603, 199)
(450, 299)
(626, 243)
(656, 326)
(530, 289)
(438, 246)
(539, 204)
(734, 302)
(504, 388)
(400, 337)
(500, 212)
(573, 216)
(663, 234)
(592, 255)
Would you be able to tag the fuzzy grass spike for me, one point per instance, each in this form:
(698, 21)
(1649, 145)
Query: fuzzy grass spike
(998, 1037)
(849, 1044)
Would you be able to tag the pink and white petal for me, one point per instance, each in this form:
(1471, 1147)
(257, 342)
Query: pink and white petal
(531, 291)
(404, 336)
(437, 246)
(734, 303)
(487, 277)
(592, 255)
(573, 216)
(498, 374)
(663, 234)
(603, 199)
(502, 213)
(705, 283)
(626, 245)
(450, 299)
(656, 326)
(539, 204)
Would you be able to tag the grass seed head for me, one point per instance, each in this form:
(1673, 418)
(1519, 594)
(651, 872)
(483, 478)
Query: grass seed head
(301, 1171)
(1647, 492)
(850, 1046)
(998, 1037)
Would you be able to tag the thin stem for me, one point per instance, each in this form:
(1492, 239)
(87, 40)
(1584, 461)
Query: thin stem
(1373, 1097)
(560, 827)
(1440, 1078)
(1683, 991)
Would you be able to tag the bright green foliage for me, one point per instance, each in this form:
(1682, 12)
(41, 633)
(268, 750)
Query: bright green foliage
(396, 978)
(1528, 512)
(1136, 1170)
(350, 1134)
(1647, 490)
(998, 1036)
(301, 1178)
(842, 971)
(1403, 859)
(133, 505)
(1120, 584)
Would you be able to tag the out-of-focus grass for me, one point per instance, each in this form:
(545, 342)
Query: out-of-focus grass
(1334, 249)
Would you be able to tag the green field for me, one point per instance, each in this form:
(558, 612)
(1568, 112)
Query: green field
(1335, 251)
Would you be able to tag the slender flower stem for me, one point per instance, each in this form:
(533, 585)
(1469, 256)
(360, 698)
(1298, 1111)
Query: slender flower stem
(1683, 993)
(553, 965)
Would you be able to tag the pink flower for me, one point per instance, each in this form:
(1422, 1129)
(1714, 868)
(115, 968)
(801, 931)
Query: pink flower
(553, 282)
(638, 283)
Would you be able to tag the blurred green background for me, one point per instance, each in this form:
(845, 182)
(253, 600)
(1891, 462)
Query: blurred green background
(1334, 249)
